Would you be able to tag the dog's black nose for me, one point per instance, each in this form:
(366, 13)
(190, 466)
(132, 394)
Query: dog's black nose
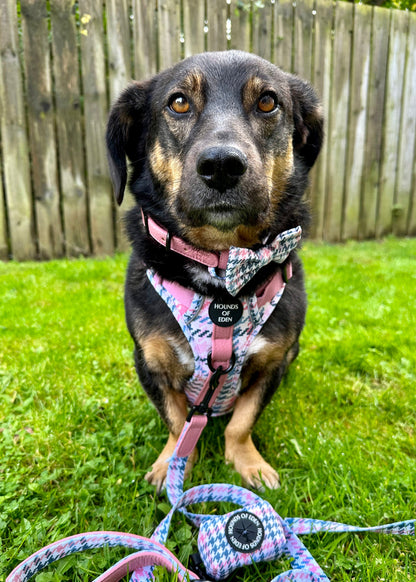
(221, 167)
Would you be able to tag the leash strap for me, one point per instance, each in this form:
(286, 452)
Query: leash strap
(151, 553)
(220, 560)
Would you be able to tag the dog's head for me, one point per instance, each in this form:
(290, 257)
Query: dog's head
(216, 143)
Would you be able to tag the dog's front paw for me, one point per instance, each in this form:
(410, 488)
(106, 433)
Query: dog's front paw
(157, 475)
(259, 476)
(254, 470)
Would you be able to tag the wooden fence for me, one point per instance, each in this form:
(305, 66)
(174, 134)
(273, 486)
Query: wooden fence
(63, 62)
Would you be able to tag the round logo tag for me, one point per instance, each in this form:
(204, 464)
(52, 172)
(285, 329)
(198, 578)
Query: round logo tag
(244, 532)
(225, 313)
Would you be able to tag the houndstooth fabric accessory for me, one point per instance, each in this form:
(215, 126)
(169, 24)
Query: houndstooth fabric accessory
(243, 263)
(240, 538)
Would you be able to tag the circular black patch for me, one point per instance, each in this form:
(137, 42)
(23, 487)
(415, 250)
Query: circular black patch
(225, 313)
(244, 532)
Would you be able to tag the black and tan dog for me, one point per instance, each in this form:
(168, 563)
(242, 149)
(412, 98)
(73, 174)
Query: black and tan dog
(220, 147)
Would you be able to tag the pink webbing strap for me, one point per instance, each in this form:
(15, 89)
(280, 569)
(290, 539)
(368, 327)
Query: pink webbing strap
(140, 560)
(272, 288)
(222, 346)
(176, 244)
(221, 355)
(190, 434)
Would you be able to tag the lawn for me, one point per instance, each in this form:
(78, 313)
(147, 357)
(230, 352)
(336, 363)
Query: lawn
(77, 433)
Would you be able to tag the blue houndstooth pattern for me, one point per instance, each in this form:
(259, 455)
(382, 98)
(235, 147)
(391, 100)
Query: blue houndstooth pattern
(220, 558)
(197, 327)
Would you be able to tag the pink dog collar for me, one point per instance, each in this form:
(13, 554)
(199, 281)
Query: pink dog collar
(176, 244)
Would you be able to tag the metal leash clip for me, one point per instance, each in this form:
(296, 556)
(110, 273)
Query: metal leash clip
(203, 406)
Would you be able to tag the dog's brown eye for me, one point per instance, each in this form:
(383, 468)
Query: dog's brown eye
(179, 103)
(267, 103)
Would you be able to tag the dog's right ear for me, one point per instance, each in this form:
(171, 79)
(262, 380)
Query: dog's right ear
(127, 119)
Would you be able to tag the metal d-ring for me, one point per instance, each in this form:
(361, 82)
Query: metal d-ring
(221, 372)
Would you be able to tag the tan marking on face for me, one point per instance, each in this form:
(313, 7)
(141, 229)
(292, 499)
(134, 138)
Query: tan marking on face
(278, 170)
(167, 169)
(193, 86)
(251, 92)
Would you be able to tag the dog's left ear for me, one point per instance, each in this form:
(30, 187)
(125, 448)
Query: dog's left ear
(308, 119)
(126, 131)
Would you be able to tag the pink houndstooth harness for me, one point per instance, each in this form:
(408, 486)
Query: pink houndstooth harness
(221, 330)
(192, 312)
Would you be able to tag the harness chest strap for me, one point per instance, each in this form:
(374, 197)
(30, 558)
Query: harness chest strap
(221, 358)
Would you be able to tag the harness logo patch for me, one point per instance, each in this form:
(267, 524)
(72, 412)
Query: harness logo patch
(244, 532)
(225, 314)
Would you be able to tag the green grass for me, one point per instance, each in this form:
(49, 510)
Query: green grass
(77, 434)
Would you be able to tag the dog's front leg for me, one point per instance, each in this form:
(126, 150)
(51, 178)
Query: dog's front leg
(176, 411)
(260, 378)
(239, 447)
(162, 376)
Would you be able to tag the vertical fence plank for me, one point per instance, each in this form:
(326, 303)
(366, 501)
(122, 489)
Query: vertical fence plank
(169, 32)
(411, 221)
(411, 226)
(95, 113)
(240, 17)
(392, 114)
(119, 45)
(145, 41)
(373, 143)
(338, 122)
(119, 75)
(14, 139)
(69, 127)
(217, 25)
(262, 22)
(303, 33)
(4, 249)
(193, 24)
(321, 77)
(359, 82)
(283, 34)
(407, 133)
(41, 128)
